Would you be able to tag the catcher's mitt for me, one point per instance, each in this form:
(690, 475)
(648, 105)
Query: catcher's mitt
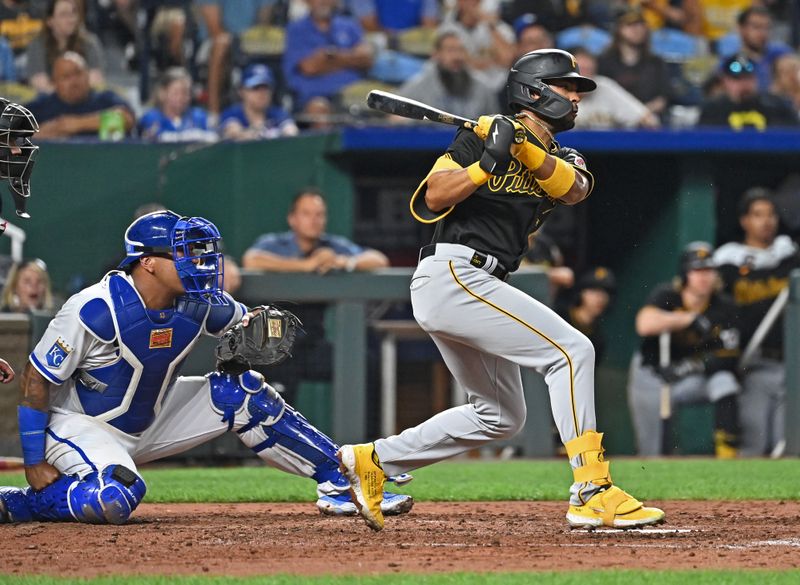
(267, 340)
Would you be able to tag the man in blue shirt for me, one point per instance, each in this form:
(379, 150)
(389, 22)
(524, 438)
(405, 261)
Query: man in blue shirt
(307, 248)
(395, 15)
(74, 108)
(753, 41)
(324, 53)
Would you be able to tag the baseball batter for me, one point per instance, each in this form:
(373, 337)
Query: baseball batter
(111, 357)
(485, 195)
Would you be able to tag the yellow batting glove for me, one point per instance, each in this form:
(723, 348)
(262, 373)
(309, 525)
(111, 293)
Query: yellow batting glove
(485, 122)
(482, 129)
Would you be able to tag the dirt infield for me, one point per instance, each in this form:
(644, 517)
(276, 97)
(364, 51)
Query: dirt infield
(249, 539)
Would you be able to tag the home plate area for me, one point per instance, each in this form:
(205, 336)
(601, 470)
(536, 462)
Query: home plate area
(255, 539)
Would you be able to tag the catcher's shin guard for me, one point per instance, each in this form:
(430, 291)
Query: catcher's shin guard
(276, 432)
(105, 497)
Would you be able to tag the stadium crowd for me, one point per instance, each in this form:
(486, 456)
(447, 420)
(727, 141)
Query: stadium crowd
(203, 70)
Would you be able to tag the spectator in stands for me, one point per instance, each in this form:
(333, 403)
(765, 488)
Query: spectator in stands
(610, 105)
(719, 16)
(629, 62)
(324, 53)
(256, 117)
(531, 34)
(742, 105)
(754, 272)
(8, 69)
(685, 15)
(174, 119)
(20, 22)
(306, 247)
(318, 115)
(64, 30)
(74, 108)
(224, 21)
(447, 82)
(587, 303)
(786, 79)
(560, 15)
(27, 288)
(488, 40)
(703, 353)
(395, 15)
(753, 41)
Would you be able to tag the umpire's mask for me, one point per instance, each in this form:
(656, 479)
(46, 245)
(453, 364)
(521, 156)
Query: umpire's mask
(17, 152)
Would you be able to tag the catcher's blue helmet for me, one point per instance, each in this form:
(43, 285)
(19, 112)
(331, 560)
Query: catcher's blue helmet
(191, 242)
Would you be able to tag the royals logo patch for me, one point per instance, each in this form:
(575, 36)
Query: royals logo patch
(161, 338)
(57, 353)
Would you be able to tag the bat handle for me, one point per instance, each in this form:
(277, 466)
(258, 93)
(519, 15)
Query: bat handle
(519, 135)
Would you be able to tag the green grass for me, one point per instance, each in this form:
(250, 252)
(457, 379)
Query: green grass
(681, 479)
(576, 578)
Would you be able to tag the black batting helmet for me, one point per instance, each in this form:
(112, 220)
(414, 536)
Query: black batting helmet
(599, 277)
(527, 83)
(696, 256)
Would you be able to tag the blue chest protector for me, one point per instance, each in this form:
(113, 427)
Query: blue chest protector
(157, 347)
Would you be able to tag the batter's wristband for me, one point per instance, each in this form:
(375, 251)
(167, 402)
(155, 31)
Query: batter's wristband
(531, 156)
(477, 174)
(32, 424)
(560, 182)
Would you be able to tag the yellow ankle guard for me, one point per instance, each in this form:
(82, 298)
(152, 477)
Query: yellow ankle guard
(589, 447)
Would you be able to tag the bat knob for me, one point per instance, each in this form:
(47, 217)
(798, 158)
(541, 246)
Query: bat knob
(519, 136)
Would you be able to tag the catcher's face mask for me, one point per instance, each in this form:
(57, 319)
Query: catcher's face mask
(17, 152)
(200, 266)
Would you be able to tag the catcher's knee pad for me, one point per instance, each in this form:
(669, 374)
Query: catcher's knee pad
(230, 392)
(105, 497)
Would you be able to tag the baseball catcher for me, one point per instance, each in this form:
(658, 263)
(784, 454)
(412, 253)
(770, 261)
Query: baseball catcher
(102, 395)
(17, 154)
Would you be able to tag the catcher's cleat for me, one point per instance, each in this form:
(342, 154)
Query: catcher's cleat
(360, 465)
(342, 504)
(13, 505)
(615, 508)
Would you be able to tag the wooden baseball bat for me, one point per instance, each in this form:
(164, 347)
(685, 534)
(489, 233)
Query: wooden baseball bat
(775, 311)
(665, 402)
(397, 105)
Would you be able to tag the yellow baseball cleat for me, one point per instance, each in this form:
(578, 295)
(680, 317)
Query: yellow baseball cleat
(361, 467)
(613, 507)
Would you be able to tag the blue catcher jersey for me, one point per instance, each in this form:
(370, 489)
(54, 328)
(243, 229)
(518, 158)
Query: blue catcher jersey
(114, 359)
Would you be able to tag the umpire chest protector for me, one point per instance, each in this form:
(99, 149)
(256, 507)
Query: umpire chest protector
(128, 393)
